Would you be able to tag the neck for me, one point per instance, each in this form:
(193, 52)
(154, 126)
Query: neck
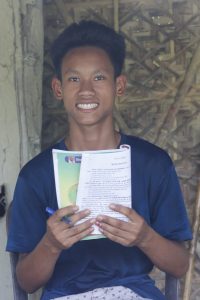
(92, 139)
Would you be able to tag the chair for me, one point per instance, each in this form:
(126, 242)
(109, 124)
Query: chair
(172, 287)
(171, 283)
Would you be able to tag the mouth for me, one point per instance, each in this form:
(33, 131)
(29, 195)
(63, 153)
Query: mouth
(87, 106)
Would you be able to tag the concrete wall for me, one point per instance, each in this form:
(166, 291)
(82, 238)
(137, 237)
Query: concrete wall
(21, 56)
(9, 132)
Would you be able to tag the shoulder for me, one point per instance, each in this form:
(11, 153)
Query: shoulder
(145, 148)
(146, 151)
(41, 164)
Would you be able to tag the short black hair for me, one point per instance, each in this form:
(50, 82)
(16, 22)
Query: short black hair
(89, 33)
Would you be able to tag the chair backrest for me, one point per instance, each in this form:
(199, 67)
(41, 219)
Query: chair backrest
(172, 287)
(18, 293)
(171, 283)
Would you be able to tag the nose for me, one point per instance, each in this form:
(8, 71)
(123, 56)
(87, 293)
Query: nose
(86, 89)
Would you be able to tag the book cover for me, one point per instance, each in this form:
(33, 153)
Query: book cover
(93, 179)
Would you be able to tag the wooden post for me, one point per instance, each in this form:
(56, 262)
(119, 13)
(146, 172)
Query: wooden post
(188, 279)
(116, 15)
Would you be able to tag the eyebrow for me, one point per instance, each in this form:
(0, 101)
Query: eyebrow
(69, 70)
(74, 71)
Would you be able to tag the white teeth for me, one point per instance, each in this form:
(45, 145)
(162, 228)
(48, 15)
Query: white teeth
(87, 105)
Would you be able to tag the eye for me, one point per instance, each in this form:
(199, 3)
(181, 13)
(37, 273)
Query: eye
(99, 77)
(74, 79)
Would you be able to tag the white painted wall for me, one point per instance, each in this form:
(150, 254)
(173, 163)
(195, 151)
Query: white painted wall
(21, 54)
(9, 134)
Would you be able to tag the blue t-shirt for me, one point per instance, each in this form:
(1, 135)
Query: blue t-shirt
(98, 263)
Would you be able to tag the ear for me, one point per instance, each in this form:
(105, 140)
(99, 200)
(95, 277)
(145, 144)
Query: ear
(57, 88)
(120, 85)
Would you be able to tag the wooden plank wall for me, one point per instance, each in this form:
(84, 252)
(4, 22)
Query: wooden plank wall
(163, 66)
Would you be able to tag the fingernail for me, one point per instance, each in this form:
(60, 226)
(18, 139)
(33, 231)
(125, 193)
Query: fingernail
(99, 224)
(75, 208)
(113, 206)
(92, 221)
(86, 211)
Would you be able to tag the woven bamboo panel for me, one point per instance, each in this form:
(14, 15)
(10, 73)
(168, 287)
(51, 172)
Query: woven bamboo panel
(162, 100)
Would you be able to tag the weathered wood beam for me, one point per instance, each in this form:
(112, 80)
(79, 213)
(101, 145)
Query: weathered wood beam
(116, 15)
(61, 7)
(109, 3)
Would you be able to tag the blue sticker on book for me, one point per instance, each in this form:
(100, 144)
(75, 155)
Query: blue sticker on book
(73, 159)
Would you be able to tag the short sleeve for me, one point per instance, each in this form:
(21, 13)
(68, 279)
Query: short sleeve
(169, 216)
(28, 219)
(34, 191)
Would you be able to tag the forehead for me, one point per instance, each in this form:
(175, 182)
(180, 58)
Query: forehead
(87, 55)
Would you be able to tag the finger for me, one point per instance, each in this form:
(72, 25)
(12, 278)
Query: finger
(76, 233)
(118, 239)
(65, 211)
(80, 215)
(66, 221)
(114, 223)
(64, 239)
(77, 229)
(76, 238)
(118, 231)
(71, 220)
(126, 211)
(65, 215)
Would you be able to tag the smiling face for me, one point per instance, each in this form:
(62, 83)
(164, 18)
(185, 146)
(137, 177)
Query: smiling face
(88, 87)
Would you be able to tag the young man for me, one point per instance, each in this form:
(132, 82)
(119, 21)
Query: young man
(88, 59)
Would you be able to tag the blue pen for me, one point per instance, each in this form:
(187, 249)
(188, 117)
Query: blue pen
(65, 219)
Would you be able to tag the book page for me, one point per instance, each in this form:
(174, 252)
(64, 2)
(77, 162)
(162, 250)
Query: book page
(104, 178)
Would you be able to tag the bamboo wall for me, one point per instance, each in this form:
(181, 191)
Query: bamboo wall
(163, 66)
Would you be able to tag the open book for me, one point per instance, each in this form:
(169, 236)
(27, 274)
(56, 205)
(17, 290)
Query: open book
(94, 179)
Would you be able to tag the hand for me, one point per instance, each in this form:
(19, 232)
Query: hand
(60, 235)
(132, 233)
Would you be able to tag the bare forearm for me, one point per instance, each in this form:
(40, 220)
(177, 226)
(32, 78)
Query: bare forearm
(35, 269)
(169, 256)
